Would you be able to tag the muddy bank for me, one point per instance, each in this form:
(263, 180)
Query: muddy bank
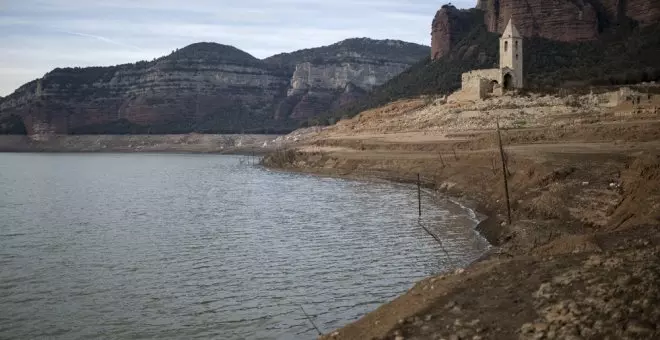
(567, 207)
(580, 257)
(194, 143)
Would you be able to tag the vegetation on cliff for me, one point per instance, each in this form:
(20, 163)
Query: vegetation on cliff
(12, 125)
(363, 48)
(626, 54)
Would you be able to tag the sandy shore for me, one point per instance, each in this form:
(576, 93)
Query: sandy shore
(190, 143)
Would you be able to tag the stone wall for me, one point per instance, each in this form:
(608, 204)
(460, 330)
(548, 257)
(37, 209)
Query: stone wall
(476, 84)
(469, 79)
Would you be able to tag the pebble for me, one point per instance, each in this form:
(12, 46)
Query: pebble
(544, 291)
(541, 327)
(527, 328)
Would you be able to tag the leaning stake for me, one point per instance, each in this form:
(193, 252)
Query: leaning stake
(504, 172)
(310, 320)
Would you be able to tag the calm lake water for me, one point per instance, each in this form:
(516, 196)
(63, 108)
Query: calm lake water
(149, 246)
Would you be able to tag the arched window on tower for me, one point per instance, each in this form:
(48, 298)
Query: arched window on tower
(506, 46)
(516, 46)
(516, 56)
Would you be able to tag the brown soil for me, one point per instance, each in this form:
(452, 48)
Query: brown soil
(579, 261)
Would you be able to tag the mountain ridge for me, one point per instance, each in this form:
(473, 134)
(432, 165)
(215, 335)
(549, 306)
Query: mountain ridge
(207, 87)
(344, 46)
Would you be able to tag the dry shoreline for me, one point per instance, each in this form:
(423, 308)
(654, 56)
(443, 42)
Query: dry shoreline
(408, 314)
(580, 259)
(186, 143)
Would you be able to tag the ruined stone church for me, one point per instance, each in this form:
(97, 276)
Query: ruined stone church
(479, 84)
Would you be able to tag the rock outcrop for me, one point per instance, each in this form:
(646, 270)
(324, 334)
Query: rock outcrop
(207, 87)
(643, 11)
(561, 20)
(567, 20)
(449, 26)
(330, 77)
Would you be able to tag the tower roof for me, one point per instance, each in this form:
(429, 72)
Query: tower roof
(511, 31)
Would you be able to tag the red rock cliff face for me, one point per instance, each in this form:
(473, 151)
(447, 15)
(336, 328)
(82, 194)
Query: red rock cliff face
(448, 25)
(440, 34)
(566, 20)
(563, 20)
(643, 11)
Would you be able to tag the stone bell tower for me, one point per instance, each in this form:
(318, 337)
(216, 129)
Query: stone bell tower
(511, 58)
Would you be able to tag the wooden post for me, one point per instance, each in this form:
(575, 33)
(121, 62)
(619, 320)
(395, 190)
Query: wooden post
(419, 195)
(504, 172)
(442, 161)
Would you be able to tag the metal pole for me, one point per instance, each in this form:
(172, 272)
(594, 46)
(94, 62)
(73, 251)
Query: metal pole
(504, 173)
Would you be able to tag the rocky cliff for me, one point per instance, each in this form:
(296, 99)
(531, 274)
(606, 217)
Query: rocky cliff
(449, 26)
(561, 20)
(207, 87)
(329, 77)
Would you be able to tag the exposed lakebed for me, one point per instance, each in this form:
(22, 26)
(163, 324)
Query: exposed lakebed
(173, 246)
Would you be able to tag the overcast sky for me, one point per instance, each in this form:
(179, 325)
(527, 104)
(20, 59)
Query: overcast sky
(39, 35)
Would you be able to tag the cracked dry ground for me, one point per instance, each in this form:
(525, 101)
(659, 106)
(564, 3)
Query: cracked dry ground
(613, 294)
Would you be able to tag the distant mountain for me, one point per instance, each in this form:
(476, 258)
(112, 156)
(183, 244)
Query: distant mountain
(357, 48)
(213, 53)
(206, 87)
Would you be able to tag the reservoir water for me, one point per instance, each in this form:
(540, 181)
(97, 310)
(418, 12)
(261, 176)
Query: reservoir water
(166, 246)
